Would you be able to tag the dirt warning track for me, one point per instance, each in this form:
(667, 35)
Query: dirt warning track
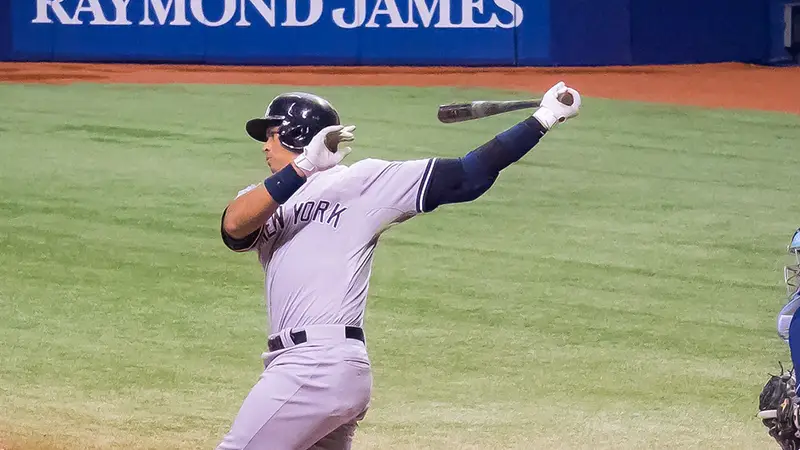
(730, 85)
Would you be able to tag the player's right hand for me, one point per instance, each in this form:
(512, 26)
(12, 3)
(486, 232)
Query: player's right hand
(323, 151)
(553, 111)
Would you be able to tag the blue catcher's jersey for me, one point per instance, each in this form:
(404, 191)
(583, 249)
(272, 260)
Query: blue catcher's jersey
(791, 276)
(785, 316)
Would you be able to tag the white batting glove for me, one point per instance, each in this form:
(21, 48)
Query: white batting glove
(553, 111)
(323, 151)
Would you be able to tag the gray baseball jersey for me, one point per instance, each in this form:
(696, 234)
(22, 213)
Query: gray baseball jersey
(317, 249)
(317, 252)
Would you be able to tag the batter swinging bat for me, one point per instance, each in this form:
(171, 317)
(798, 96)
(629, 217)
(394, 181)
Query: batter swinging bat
(460, 112)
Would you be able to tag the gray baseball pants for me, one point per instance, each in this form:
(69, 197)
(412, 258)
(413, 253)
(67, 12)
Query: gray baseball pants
(310, 396)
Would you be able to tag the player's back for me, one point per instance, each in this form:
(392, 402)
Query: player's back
(317, 249)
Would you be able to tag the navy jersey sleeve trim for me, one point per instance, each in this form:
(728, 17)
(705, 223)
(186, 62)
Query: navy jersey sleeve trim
(239, 245)
(424, 185)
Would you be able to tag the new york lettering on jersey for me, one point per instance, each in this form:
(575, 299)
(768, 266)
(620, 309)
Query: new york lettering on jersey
(377, 192)
(329, 228)
(321, 211)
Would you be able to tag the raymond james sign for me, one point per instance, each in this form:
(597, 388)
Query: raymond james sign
(460, 14)
(281, 32)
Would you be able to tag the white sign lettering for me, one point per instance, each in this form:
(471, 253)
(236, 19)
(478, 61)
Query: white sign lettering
(387, 8)
(161, 10)
(294, 13)
(359, 15)
(121, 10)
(54, 5)
(267, 12)
(96, 12)
(510, 7)
(291, 13)
(200, 15)
(426, 13)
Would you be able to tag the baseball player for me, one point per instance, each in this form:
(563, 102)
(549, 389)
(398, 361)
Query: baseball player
(779, 404)
(314, 224)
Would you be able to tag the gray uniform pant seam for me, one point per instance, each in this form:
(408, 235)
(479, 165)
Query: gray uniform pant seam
(305, 383)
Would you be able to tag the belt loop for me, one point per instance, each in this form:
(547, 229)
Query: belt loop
(286, 337)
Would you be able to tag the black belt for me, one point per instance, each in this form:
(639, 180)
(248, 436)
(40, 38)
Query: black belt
(299, 337)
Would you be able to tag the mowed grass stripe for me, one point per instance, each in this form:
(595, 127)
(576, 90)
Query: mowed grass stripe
(624, 276)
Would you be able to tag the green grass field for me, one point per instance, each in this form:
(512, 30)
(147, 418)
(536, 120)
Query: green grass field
(616, 289)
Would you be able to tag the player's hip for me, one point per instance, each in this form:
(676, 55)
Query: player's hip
(320, 345)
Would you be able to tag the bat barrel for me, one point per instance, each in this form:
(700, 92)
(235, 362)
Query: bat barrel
(460, 112)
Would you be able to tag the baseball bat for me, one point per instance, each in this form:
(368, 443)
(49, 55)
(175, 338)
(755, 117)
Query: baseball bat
(461, 112)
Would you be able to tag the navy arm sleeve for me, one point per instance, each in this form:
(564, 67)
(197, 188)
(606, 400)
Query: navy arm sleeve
(467, 178)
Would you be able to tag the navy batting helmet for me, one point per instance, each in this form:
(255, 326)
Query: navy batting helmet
(298, 115)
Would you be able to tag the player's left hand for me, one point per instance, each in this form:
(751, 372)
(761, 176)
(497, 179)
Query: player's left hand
(559, 104)
(323, 151)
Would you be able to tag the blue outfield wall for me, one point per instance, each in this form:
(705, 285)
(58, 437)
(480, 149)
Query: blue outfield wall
(5, 29)
(678, 31)
(586, 32)
(392, 32)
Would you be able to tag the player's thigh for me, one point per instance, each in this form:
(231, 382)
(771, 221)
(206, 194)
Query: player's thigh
(347, 405)
(298, 401)
(266, 405)
(340, 438)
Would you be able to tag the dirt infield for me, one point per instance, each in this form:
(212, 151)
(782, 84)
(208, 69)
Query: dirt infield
(730, 85)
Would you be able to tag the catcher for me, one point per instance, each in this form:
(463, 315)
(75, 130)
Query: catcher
(779, 404)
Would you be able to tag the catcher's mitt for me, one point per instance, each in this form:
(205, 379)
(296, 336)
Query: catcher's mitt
(778, 406)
